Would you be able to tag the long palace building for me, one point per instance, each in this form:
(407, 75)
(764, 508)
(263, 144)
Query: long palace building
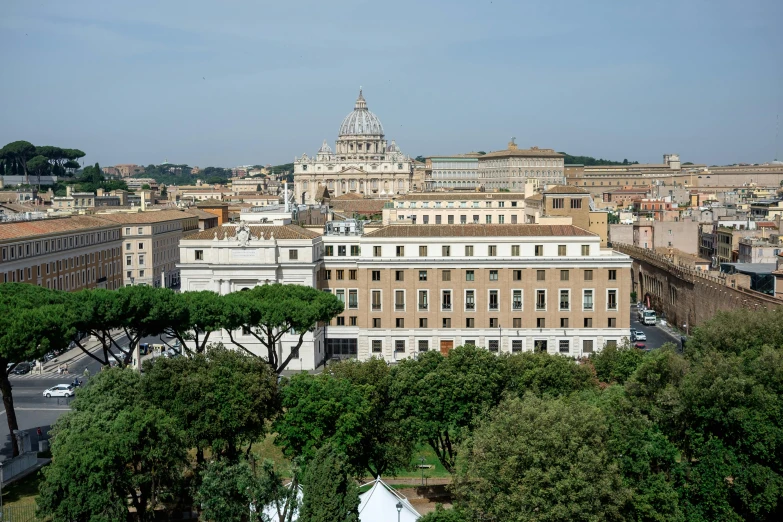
(413, 288)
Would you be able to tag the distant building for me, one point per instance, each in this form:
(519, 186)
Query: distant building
(138, 183)
(511, 168)
(458, 172)
(127, 170)
(450, 208)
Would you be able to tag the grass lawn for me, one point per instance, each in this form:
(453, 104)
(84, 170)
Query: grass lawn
(22, 491)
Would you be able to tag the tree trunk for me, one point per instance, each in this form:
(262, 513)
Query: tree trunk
(8, 402)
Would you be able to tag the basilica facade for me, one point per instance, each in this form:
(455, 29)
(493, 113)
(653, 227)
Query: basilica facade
(362, 163)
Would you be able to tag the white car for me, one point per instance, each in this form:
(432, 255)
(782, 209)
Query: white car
(61, 390)
(640, 336)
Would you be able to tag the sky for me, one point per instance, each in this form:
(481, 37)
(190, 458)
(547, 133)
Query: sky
(235, 82)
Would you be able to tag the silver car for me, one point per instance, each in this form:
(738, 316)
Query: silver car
(61, 390)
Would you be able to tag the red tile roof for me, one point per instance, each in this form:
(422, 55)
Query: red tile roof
(44, 227)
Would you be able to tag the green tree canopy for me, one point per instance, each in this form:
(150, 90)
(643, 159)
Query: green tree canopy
(545, 374)
(269, 312)
(329, 494)
(540, 459)
(193, 316)
(616, 363)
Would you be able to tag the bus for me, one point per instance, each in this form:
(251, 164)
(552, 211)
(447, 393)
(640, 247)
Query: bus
(648, 317)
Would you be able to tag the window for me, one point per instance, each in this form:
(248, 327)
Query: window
(469, 275)
(399, 300)
(587, 346)
(493, 345)
(423, 251)
(141, 274)
(340, 321)
(399, 322)
(127, 247)
(141, 246)
(493, 275)
(451, 219)
(352, 275)
(585, 250)
(376, 322)
(445, 302)
(540, 322)
(564, 275)
(376, 300)
(612, 323)
(293, 254)
(516, 345)
(446, 250)
(515, 250)
(493, 250)
(399, 345)
(611, 344)
(468, 250)
(564, 300)
(493, 300)
(446, 322)
(399, 275)
(424, 345)
(470, 299)
(140, 230)
(376, 251)
(557, 202)
(539, 250)
(423, 322)
(488, 219)
(377, 345)
(587, 300)
(340, 294)
(517, 275)
(588, 275)
(400, 251)
(141, 260)
(612, 275)
(329, 250)
(423, 300)
(128, 261)
(127, 231)
(422, 275)
(561, 250)
(341, 250)
(199, 255)
(611, 299)
(540, 300)
(376, 275)
(470, 322)
(588, 323)
(564, 322)
(446, 275)
(437, 219)
(355, 250)
(516, 300)
(540, 275)
(564, 345)
(327, 275)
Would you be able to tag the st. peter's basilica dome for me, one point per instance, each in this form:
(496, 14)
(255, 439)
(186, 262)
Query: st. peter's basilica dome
(361, 122)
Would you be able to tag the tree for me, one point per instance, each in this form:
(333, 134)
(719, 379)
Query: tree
(439, 398)
(228, 489)
(193, 317)
(421, 159)
(39, 166)
(545, 374)
(737, 332)
(146, 186)
(540, 459)
(616, 363)
(33, 321)
(269, 312)
(441, 514)
(329, 495)
(113, 446)
(18, 153)
(222, 399)
(132, 312)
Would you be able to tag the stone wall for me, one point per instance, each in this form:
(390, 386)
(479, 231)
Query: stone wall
(684, 295)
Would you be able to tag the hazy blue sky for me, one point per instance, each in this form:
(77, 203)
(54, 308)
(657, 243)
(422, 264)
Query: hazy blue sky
(235, 82)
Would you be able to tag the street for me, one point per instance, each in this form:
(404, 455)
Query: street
(656, 336)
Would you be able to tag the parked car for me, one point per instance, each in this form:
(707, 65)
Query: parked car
(171, 353)
(633, 334)
(640, 335)
(640, 346)
(22, 368)
(61, 390)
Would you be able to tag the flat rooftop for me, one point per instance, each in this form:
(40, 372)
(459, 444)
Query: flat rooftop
(479, 230)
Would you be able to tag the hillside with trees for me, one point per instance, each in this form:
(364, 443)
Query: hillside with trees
(590, 161)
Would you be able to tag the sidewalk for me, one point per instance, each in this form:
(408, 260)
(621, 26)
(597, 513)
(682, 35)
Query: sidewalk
(70, 357)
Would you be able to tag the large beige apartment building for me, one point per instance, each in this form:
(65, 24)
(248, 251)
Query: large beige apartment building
(68, 253)
(150, 245)
(514, 167)
(412, 288)
(455, 208)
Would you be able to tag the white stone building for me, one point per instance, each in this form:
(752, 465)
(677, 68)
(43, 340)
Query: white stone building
(362, 162)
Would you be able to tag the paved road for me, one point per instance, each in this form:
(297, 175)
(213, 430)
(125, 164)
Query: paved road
(656, 336)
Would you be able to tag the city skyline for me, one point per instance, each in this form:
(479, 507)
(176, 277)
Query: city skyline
(261, 84)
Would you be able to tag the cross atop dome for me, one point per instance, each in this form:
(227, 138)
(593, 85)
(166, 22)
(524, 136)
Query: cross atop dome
(360, 102)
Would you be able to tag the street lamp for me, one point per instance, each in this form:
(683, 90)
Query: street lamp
(399, 510)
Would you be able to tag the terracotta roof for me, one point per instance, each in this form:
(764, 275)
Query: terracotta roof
(280, 232)
(155, 216)
(348, 196)
(201, 213)
(457, 196)
(535, 197)
(565, 189)
(766, 224)
(19, 207)
(531, 153)
(480, 230)
(42, 227)
(360, 206)
(211, 202)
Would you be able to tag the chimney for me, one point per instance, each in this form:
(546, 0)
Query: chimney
(285, 194)
(143, 200)
(69, 190)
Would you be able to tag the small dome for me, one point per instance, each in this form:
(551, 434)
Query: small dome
(325, 148)
(393, 147)
(361, 122)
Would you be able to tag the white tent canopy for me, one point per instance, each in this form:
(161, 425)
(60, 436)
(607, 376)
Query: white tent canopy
(379, 504)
